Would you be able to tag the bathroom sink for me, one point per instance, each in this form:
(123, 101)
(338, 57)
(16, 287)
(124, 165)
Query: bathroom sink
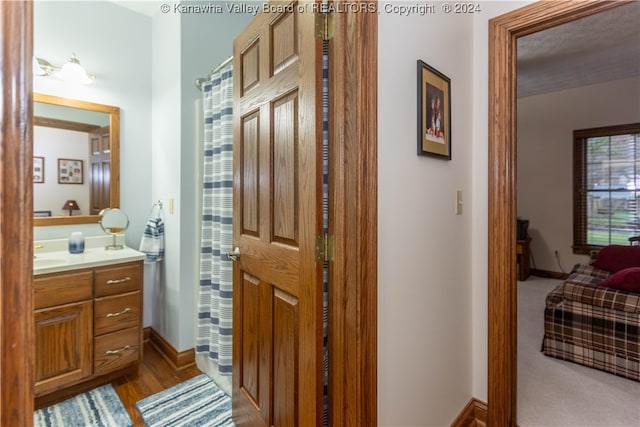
(47, 262)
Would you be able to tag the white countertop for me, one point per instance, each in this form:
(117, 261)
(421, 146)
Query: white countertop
(52, 256)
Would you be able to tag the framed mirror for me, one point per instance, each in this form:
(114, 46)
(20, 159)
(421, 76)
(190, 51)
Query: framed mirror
(60, 175)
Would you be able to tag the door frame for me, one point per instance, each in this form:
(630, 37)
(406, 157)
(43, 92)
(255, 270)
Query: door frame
(353, 212)
(16, 216)
(353, 219)
(504, 31)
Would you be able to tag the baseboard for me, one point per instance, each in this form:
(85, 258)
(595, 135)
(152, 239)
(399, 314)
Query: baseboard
(178, 360)
(549, 274)
(473, 415)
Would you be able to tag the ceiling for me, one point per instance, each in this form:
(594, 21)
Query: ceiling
(595, 49)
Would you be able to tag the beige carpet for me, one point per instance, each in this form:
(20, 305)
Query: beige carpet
(553, 392)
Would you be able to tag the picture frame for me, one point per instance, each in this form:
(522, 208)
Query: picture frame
(434, 112)
(38, 170)
(70, 171)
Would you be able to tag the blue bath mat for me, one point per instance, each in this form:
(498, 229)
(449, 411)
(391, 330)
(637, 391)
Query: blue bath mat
(100, 407)
(195, 402)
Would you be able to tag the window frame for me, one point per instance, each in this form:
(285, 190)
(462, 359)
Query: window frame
(580, 226)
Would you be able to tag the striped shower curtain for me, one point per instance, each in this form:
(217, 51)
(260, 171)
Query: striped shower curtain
(216, 286)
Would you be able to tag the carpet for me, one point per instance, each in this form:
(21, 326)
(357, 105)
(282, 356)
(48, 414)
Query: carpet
(195, 402)
(100, 407)
(558, 393)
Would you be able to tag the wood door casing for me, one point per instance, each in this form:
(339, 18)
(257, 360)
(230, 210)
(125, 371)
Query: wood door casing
(504, 31)
(16, 215)
(277, 338)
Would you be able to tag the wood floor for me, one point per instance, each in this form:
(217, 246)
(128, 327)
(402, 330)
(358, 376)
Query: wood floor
(154, 375)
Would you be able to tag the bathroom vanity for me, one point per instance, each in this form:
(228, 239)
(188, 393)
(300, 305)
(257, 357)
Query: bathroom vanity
(88, 317)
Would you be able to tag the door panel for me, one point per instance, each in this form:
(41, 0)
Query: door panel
(277, 322)
(250, 303)
(285, 349)
(100, 169)
(250, 175)
(285, 170)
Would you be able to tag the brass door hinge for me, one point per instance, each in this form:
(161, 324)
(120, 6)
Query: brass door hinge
(324, 247)
(324, 25)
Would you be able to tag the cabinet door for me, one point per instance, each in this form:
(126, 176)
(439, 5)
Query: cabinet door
(64, 351)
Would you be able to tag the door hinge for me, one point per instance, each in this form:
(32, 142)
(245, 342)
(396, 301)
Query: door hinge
(324, 247)
(324, 25)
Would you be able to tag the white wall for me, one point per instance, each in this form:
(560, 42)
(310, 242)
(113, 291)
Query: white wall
(113, 43)
(424, 262)
(545, 159)
(185, 46)
(165, 176)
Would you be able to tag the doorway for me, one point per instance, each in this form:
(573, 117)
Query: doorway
(353, 273)
(503, 34)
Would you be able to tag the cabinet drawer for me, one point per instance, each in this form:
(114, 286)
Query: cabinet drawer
(117, 279)
(62, 288)
(116, 350)
(116, 312)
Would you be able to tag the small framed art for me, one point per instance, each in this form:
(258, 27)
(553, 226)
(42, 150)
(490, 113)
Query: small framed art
(434, 112)
(70, 171)
(38, 169)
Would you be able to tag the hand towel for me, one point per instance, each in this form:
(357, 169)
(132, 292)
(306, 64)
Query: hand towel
(152, 243)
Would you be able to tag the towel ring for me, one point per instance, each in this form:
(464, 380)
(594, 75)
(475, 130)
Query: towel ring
(158, 205)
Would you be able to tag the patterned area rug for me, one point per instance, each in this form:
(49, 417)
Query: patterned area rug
(100, 407)
(195, 402)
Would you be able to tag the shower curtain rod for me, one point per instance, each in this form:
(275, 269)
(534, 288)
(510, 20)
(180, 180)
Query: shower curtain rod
(200, 81)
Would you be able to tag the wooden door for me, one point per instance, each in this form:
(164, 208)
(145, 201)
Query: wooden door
(99, 171)
(277, 283)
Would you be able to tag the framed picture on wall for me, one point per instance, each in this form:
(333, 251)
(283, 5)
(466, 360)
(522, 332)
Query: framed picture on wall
(434, 112)
(38, 169)
(70, 171)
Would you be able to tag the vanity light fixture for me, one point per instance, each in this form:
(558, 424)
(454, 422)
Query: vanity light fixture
(71, 71)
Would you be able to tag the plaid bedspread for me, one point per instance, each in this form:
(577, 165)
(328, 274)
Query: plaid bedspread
(592, 326)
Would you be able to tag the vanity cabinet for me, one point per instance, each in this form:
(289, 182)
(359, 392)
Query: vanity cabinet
(88, 324)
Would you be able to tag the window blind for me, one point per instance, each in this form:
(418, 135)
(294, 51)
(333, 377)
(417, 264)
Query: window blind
(606, 186)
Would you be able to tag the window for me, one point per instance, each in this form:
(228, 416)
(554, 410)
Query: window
(606, 186)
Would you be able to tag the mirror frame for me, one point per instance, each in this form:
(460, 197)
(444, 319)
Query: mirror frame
(114, 169)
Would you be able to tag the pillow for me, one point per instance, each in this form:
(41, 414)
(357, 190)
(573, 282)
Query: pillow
(618, 257)
(626, 280)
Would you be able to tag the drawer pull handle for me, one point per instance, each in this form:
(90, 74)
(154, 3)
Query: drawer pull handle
(114, 281)
(112, 352)
(120, 313)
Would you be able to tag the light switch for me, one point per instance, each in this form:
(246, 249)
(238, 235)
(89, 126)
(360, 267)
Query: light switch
(458, 202)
